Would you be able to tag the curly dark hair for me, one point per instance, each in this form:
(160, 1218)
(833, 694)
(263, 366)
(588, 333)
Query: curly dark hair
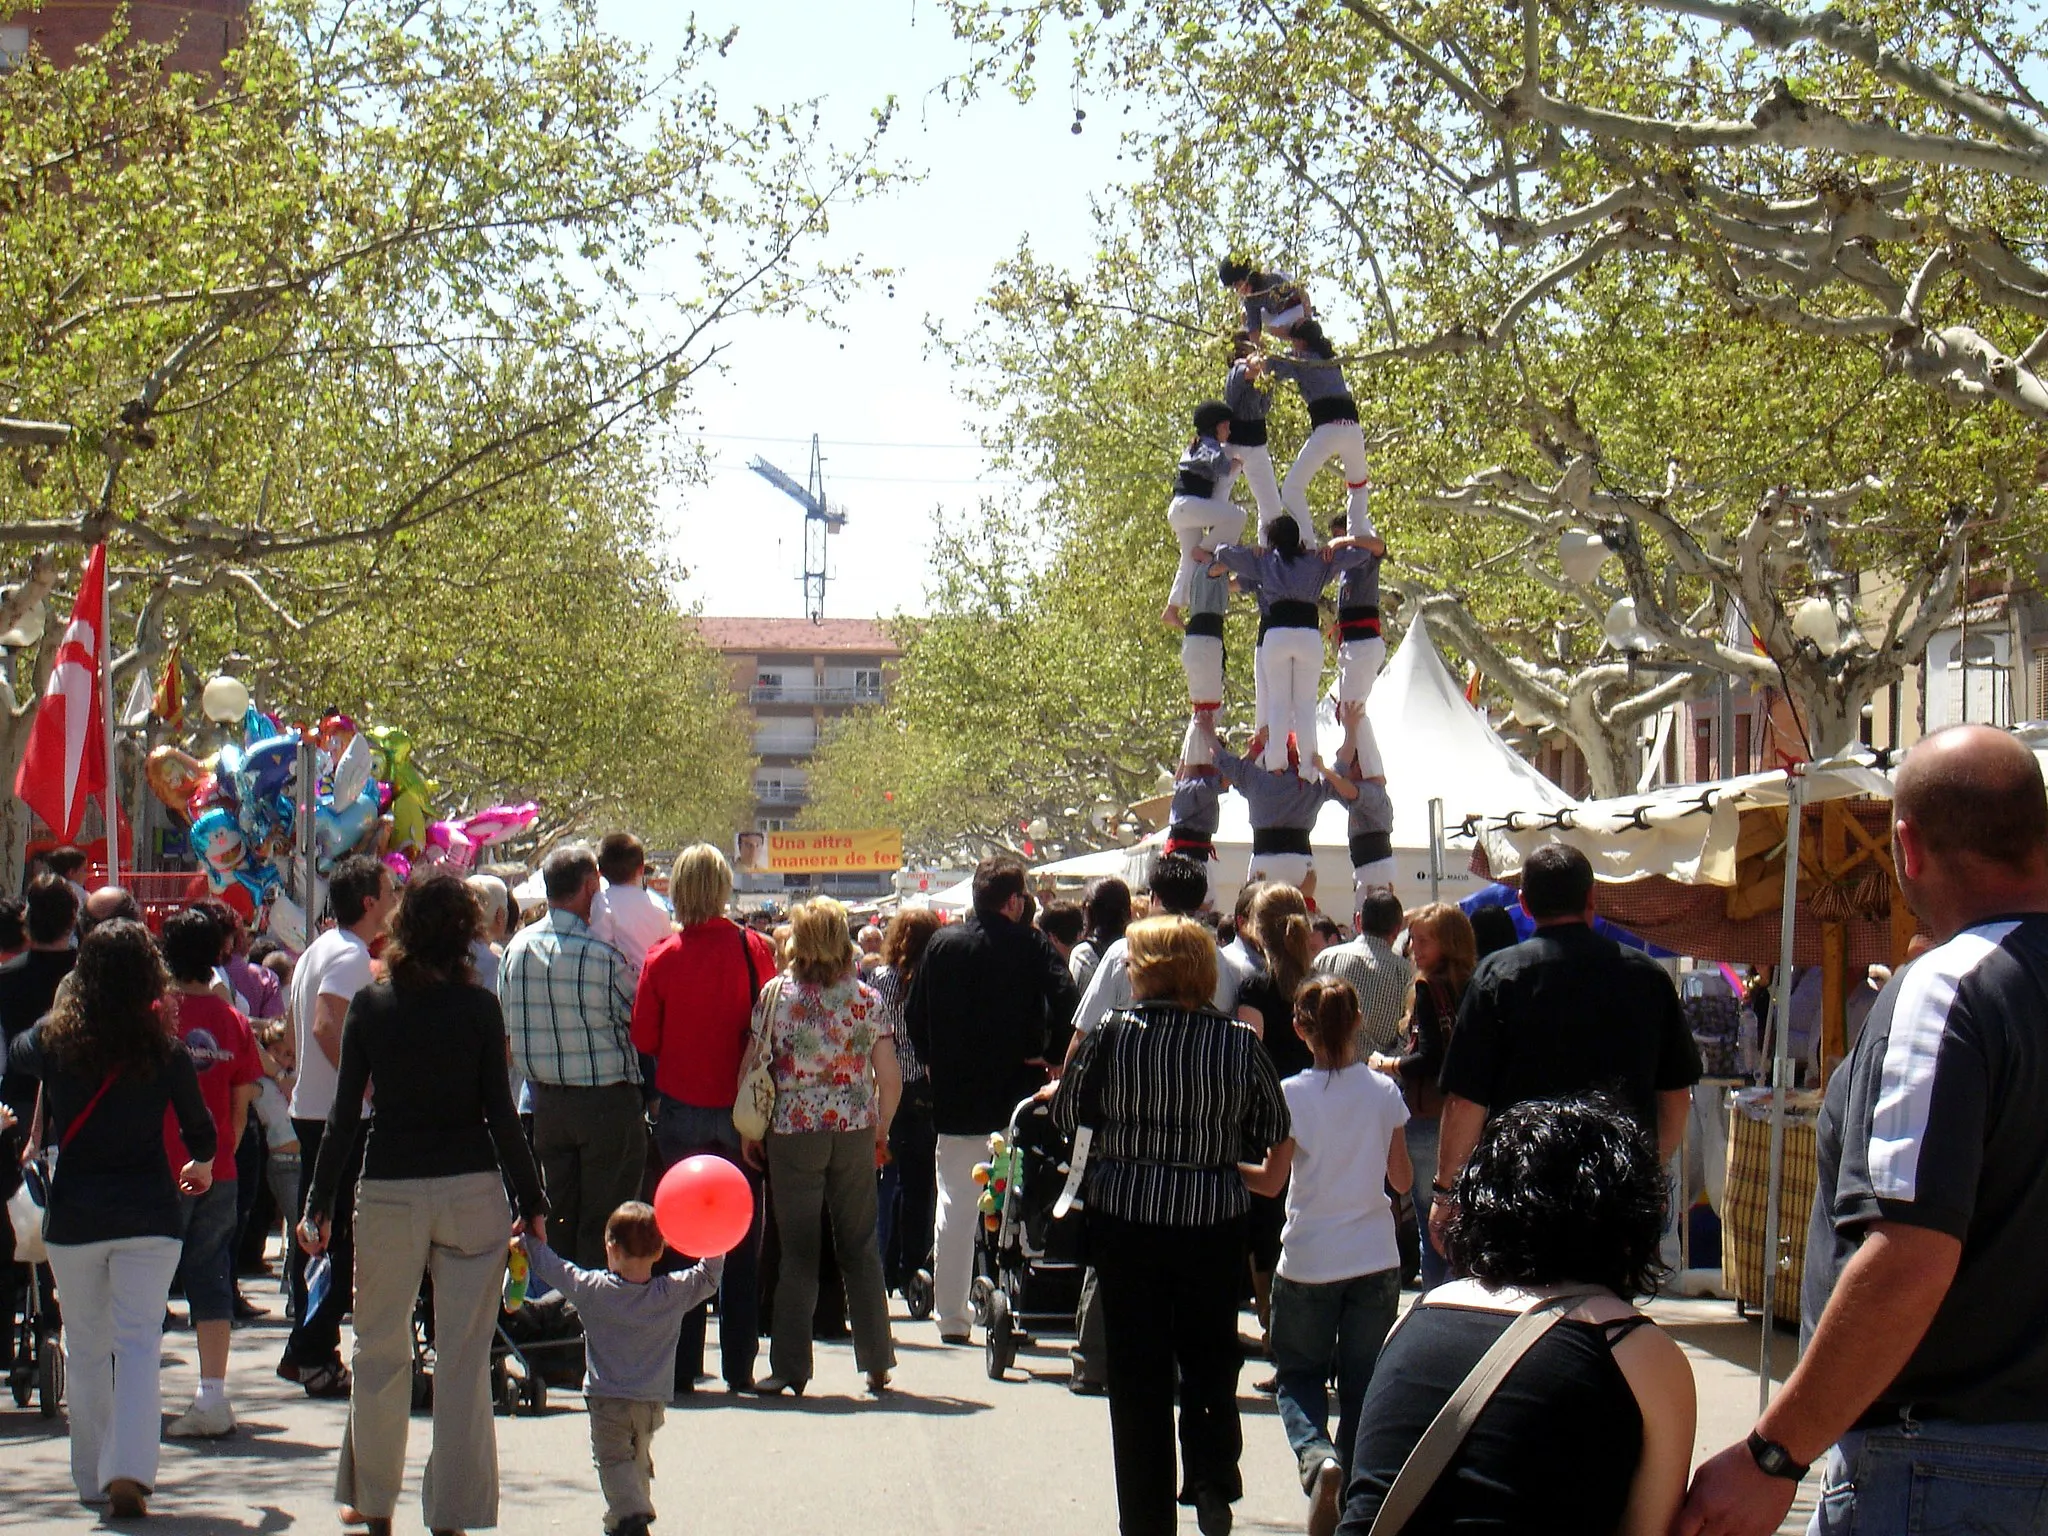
(105, 1017)
(1561, 1190)
(438, 918)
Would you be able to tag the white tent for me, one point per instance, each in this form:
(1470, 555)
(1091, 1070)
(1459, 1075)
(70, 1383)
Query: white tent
(1086, 866)
(1436, 747)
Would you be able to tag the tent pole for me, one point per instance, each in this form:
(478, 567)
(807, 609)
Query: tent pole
(1781, 1075)
(1436, 850)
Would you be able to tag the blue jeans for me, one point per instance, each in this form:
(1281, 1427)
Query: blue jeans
(684, 1130)
(1342, 1323)
(1422, 1137)
(1935, 1476)
(207, 1260)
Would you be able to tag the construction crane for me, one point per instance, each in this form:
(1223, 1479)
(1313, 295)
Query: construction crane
(820, 519)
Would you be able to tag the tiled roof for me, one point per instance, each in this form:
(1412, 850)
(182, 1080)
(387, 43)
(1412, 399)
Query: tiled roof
(868, 636)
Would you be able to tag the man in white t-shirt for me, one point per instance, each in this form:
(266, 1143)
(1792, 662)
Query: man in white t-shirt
(626, 915)
(333, 969)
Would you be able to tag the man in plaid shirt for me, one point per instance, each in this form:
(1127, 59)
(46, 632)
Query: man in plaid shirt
(568, 1001)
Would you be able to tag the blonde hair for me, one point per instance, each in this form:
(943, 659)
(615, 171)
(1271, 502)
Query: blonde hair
(1280, 927)
(1171, 959)
(700, 884)
(1457, 953)
(821, 948)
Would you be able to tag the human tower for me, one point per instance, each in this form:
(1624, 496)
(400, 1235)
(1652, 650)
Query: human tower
(1283, 781)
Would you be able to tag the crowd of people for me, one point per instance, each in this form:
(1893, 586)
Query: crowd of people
(1254, 1102)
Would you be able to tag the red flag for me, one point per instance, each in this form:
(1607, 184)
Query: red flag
(1472, 685)
(66, 761)
(169, 703)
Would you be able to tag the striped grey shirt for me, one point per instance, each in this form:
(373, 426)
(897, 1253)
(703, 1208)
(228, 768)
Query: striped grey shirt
(1178, 1098)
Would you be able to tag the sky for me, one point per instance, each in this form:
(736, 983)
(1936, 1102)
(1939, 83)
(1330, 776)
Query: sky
(897, 443)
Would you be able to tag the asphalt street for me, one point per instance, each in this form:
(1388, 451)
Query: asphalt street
(948, 1451)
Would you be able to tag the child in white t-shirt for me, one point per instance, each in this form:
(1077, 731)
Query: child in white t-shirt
(1339, 1281)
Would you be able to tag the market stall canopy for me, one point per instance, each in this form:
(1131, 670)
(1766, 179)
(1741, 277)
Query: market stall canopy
(1699, 868)
(1690, 833)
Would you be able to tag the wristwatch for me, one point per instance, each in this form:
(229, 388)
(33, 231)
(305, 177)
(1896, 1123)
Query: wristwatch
(1773, 1460)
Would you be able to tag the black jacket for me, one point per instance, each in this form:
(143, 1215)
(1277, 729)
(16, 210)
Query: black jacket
(987, 995)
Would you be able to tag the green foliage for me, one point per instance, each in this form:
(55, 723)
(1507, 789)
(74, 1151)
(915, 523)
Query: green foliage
(362, 376)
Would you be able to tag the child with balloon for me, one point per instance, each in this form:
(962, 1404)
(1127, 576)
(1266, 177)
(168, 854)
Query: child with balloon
(632, 1318)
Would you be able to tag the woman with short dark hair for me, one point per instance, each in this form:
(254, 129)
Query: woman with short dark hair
(1591, 1431)
(110, 1072)
(431, 1043)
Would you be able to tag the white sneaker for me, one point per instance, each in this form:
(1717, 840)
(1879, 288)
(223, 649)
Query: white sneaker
(208, 1423)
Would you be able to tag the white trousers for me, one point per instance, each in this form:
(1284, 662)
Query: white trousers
(1201, 657)
(1358, 668)
(1345, 442)
(113, 1296)
(957, 1224)
(1379, 875)
(1284, 868)
(1200, 522)
(1258, 474)
(1288, 675)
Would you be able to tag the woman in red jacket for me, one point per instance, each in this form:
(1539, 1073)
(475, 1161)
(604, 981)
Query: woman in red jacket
(692, 1013)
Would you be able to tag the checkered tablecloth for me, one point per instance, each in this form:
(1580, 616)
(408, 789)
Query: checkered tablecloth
(1745, 1208)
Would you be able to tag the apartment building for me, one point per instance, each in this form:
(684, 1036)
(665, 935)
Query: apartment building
(797, 677)
(204, 31)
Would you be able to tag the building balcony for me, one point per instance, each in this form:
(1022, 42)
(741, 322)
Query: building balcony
(806, 693)
(780, 798)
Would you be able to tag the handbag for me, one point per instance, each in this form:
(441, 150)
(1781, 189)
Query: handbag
(753, 1105)
(28, 1208)
(1453, 1423)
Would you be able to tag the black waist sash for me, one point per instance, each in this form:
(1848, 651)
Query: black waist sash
(1281, 840)
(1371, 847)
(1191, 841)
(1210, 624)
(1290, 613)
(1332, 408)
(1201, 487)
(1248, 432)
(1358, 623)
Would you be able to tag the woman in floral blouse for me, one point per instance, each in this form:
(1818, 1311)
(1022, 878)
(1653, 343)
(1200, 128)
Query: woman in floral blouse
(833, 1057)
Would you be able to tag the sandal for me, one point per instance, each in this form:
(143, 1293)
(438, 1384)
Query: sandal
(326, 1381)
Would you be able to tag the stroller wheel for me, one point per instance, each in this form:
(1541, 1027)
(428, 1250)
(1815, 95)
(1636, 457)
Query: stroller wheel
(422, 1387)
(21, 1381)
(999, 1347)
(978, 1296)
(50, 1376)
(918, 1295)
(505, 1392)
(533, 1395)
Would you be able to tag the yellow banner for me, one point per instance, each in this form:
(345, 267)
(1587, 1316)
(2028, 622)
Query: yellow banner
(874, 850)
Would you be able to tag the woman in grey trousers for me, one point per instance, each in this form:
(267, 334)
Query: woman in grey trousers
(833, 1057)
(430, 1043)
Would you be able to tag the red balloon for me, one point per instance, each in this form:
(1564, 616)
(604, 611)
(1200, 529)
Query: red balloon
(703, 1206)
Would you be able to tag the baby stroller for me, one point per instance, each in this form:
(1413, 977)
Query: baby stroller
(38, 1369)
(536, 1346)
(1028, 1264)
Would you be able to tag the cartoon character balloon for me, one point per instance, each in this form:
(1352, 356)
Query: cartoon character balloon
(391, 759)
